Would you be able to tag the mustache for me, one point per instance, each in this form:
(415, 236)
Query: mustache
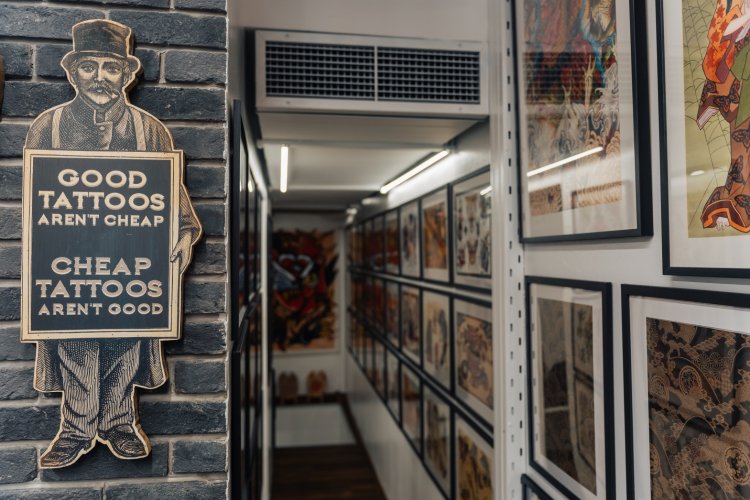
(103, 86)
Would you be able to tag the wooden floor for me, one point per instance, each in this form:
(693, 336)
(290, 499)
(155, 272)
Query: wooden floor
(324, 472)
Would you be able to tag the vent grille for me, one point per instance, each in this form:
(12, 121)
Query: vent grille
(371, 73)
(320, 71)
(422, 75)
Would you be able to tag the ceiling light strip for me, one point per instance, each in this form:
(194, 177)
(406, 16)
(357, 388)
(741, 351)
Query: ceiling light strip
(415, 171)
(284, 168)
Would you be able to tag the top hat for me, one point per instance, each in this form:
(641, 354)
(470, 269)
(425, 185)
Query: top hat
(100, 37)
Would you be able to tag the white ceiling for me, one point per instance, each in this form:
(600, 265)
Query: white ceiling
(336, 160)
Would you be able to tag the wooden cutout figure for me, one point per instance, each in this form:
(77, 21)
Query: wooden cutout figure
(98, 372)
(317, 383)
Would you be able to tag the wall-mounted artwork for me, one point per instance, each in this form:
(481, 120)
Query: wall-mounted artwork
(377, 243)
(379, 375)
(411, 320)
(394, 384)
(437, 438)
(474, 378)
(705, 138)
(532, 491)
(411, 406)
(434, 221)
(410, 241)
(304, 291)
(392, 316)
(570, 383)
(472, 231)
(583, 119)
(475, 463)
(687, 385)
(436, 344)
(392, 248)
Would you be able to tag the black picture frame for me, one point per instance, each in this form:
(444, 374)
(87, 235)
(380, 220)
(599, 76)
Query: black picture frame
(532, 488)
(395, 212)
(449, 384)
(460, 414)
(418, 251)
(448, 241)
(607, 357)
(388, 334)
(444, 490)
(240, 433)
(415, 358)
(467, 408)
(239, 290)
(414, 442)
(486, 281)
(641, 135)
(628, 291)
(392, 355)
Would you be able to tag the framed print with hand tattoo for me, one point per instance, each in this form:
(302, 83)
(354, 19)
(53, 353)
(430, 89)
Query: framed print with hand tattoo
(704, 51)
(583, 135)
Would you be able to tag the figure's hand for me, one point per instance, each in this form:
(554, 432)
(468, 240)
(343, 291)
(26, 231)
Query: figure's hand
(722, 223)
(181, 253)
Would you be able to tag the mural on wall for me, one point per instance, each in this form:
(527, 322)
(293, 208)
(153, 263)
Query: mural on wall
(101, 177)
(304, 290)
(698, 424)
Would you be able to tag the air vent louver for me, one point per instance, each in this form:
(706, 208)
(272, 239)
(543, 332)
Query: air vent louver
(320, 71)
(421, 75)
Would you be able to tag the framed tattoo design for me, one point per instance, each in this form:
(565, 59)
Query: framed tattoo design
(392, 248)
(410, 241)
(392, 368)
(411, 320)
(686, 357)
(705, 137)
(436, 338)
(583, 136)
(437, 439)
(474, 461)
(472, 231)
(378, 243)
(411, 406)
(473, 371)
(434, 222)
(570, 383)
(378, 372)
(532, 491)
(392, 317)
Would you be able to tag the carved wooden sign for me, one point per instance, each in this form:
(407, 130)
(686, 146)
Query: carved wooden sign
(108, 230)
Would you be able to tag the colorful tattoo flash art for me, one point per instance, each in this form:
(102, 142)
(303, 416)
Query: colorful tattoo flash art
(410, 249)
(410, 322)
(391, 313)
(377, 243)
(394, 387)
(474, 376)
(474, 464)
(699, 429)
(472, 210)
(717, 117)
(435, 336)
(392, 251)
(435, 236)
(379, 368)
(379, 305)
(411, 405)
(437, 438)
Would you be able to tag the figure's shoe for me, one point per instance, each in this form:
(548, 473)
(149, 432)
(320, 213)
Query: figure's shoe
(125, 442)
(62, 452)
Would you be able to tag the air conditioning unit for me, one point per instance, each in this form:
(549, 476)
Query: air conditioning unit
(300, 72)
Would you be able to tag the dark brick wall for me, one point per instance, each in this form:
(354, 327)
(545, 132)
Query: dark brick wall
(182, 47)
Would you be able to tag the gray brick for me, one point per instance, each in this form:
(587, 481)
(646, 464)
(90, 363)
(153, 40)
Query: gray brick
(10, 261)
(16, 383)
(211, 216)
(47, 60)
(11, 348)
(34, 21)
(17, 465)
(10, 303)
(202, 297)
(10, 181)
(29, 99)
(100, 464)
(183, 417)
(174, 29)
(52, 493)
(10, 223)
(208, 258)
(197, 142)
(17, 58)
(199, 457)
(168, 103)
(135, 3)
(31, 422)
(204, 182)
(150, 63)
(12, 139)
(198, 377)
(195, 66)
(210, 5)
(195, 490)
(198, 337)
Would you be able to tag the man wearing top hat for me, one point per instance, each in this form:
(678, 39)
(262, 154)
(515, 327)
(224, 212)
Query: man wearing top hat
(98, 376)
